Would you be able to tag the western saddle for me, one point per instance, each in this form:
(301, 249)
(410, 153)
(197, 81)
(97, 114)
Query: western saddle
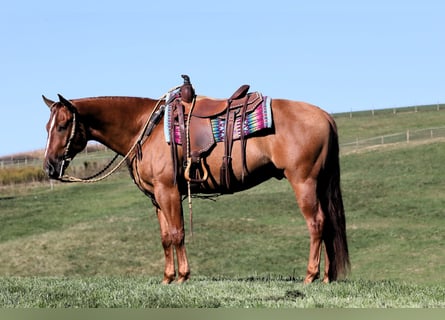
(193, 116)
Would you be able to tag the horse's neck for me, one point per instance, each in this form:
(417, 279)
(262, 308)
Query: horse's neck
(115, 121)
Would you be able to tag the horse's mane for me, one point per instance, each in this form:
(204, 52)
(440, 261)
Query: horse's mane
(110, 98)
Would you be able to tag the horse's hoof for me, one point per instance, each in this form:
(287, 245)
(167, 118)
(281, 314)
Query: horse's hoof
(183, 279)
(168, 280)
(310, 278)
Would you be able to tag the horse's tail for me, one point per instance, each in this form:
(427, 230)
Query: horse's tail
(329, 193)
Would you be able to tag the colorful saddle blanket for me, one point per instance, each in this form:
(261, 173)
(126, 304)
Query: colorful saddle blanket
(260, 118)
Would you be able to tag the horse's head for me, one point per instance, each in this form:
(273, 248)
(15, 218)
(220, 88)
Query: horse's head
(66, 136)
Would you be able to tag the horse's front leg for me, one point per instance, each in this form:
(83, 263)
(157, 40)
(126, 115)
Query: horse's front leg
(169, 269)
(171, 224)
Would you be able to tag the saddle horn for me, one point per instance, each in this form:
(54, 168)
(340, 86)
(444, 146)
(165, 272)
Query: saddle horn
(187, 91)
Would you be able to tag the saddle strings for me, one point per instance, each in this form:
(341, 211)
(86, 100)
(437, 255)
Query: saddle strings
(189, 191)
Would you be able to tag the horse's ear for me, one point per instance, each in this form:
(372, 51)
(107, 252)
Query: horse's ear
(47, 101)
(66, 103)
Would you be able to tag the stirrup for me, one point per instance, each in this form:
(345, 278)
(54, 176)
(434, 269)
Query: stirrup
(187, 172)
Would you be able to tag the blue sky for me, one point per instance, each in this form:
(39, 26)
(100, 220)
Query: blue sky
(340, 55)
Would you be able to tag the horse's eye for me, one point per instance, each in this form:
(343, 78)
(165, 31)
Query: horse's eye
(62, 127)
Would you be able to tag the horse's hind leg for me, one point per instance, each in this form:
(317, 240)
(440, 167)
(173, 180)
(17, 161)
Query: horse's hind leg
(305, 192)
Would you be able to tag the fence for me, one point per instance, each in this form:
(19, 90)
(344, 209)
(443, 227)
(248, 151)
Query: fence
(391, 111)
(94, 152)
(29, 168)
(401, 137)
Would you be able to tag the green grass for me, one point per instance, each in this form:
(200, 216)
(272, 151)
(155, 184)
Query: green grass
(251, 292)
(396, 209)
(99, 245)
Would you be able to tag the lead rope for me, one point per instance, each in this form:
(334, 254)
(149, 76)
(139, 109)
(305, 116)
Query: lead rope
(93, 179)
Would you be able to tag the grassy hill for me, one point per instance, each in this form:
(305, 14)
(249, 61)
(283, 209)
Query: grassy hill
(248, 249)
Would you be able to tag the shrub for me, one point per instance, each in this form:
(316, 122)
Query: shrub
(15, 175)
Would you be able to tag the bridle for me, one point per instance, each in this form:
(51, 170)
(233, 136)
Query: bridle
(66, 158)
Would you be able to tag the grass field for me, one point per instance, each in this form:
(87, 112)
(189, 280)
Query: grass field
(208, 292)
(99, 245)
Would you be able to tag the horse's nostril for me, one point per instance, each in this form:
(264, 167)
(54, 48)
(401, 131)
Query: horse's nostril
(50, 169)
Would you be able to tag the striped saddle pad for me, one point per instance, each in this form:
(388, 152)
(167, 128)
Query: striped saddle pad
(258, 119)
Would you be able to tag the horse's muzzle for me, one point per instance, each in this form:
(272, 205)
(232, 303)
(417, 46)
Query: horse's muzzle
(54, 170)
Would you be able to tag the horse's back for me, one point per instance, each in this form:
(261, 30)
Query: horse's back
(298, 113)
(300, 121)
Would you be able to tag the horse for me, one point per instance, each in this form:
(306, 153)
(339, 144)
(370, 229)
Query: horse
(302, 147)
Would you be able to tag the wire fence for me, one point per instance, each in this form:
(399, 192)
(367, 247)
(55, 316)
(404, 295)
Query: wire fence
(400, 137)
(29, 168)
(93, 153)
(391, 111)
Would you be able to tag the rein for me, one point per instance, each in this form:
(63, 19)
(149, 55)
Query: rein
(146, 130)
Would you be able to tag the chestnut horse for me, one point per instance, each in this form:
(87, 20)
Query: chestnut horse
(302, 147)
